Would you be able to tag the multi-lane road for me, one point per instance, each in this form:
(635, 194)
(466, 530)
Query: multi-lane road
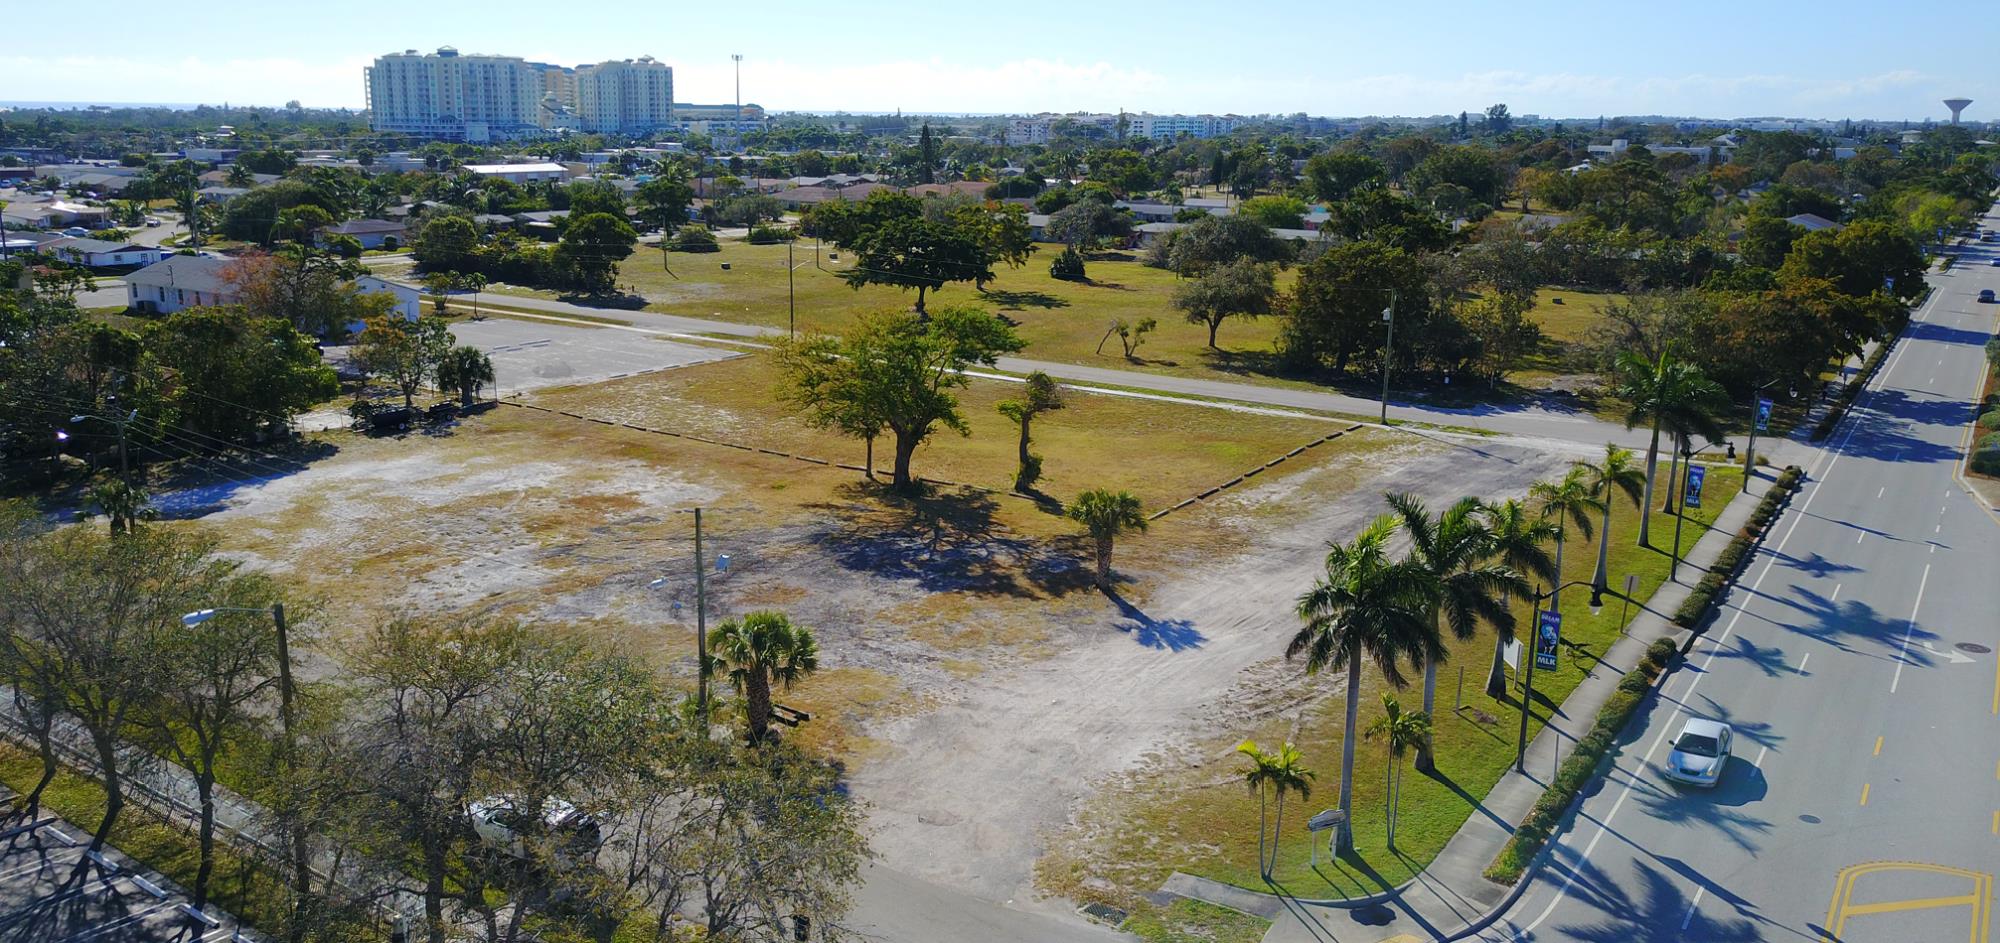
(1856, 662)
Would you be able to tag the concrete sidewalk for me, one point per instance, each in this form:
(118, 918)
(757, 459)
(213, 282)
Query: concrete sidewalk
(1452, 891)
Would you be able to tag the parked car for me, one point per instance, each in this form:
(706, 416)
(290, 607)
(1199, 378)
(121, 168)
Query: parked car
(1700, 752)
(1986, 295)
(1995, 263)
(76, 232)
(498, 823)
(152, 221)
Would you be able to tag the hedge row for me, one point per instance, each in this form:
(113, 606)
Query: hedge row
(1581, 767)
(1702, 599)
(1852, 390)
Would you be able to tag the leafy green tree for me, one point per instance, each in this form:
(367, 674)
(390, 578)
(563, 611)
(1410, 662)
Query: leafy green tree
(1468, 166)
(1860, 259)
(920, 254)
(761, 651)
(404, 352)
(237, 374)
(596, 196)
(592, 246)
(1040, 394)
(1337, 175)
(664, 200)
(1334, 311)
(1669, 394)
(1001, 227)
(445, 243)
(1366, 607)
(299, 223)
(1243, 288)
(467, 370)
(1401, 732)
(1503, 332)
(1467, 585)
(123, 504)
(1379, 215)
(1767, 240)
(1218, 240)
(1105, 515)
(927, 156)
(1618, 473)
(1085, 223)
(894, 371)
(1277, 212)
(1281, 772)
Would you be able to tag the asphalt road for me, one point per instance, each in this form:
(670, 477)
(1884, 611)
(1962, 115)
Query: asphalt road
(1856, 662)
(46, 898)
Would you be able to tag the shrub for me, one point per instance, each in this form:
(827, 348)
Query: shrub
(1068, 266)
(1705, 594)
(1986, 455)
(692, 238)
(1852, 390)
(765, 235)
(1989, 421)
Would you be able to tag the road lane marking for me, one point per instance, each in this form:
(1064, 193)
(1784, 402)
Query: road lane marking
(1879, 491)
(1759, 761)
(1857, 537)
(1904, 656)
(1834, 598)
(1698, 891)
(1864, 793)
(1922, 903)
(1878, 746)
(1802, 663)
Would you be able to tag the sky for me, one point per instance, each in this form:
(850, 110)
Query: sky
(1577, 59)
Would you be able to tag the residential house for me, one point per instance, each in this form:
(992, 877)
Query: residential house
(1813, 222)
(542, 224)
(409, 301)
(220, 178)
(521, 173)
(972, 188)
(54, 214)
(98, 253)
(180, 281)
(219, 194)
(371, 233)
(492, 222)
(15, 241)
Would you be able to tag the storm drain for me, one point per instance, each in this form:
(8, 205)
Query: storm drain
(1103, 913)
(1973, 648)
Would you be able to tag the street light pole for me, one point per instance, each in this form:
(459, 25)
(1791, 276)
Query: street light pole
(1534, 639)
(1750, 451)
(700, 624)
(1680, 509)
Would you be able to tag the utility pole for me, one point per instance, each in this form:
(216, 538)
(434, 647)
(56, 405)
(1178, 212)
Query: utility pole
(700, 623)
(287, 713)
(791, 294)
(1388, 346)
(738, 59)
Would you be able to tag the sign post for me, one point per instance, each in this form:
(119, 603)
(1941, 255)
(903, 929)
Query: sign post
(1548, 633)
(1760, 420)
(1331, 818)
(1696, 474)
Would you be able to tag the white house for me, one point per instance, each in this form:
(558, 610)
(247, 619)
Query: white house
(1812, 222)
(409, 301)
(371, 233)
(97, 253)
(179, 281)
(521, 173)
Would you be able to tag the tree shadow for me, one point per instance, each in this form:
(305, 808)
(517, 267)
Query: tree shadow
(1651, 915)
(1814, 564)
(1006, 300)
(199, 486)
(1479, 805)
(1174, 635)
(945, 540)
(1770, 660)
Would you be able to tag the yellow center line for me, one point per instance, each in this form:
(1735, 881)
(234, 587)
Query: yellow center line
(1878, 746)
(1864, 793)
(1996, 823)
(1898, 906)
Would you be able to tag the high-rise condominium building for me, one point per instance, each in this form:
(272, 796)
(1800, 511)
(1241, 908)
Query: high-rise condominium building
(457, 97)
(628, 96)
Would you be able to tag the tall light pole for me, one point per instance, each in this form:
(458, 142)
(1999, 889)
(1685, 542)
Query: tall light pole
(737, 58)
(1528, 653)
(1388, 348)
(301, 856)
(1756, 421)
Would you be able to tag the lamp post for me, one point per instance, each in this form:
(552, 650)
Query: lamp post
(124, 466)
(1528, 679)
(1388, 347)
(1680, 508)
(1756, 418)
(301, 857)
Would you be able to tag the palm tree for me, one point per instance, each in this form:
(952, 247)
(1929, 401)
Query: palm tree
(124, 505)
(1106, 515)
(1519, 540)
(1400, 733)
(1669, 394)
(1616, 473)
(1367, 607)
(1567, 501)
(1282, 772)
(1039, 395)
(1455, 552)
(762, 650)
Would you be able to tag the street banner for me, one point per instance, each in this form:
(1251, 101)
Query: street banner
(1696, 475)
(1548, 633)
(1763, 413)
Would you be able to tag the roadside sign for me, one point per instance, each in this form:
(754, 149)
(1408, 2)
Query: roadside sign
(1548, 633)
(1763, 413)
(1696, 475)
(1511, 654)
(1325, 820)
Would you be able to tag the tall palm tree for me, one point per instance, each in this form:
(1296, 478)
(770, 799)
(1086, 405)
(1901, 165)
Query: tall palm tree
(1669, 394)
(1568, 501)
(1400, 732)
(1280, 772)
(1454, 550)
(1369, 607)
(1105, 515)
(1520, 541)
(763, 650)
(1617, 473)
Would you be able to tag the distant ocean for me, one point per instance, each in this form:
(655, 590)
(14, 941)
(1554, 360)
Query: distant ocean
(80, 106)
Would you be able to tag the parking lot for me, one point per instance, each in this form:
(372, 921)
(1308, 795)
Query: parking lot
(46, 898)
(528, 355)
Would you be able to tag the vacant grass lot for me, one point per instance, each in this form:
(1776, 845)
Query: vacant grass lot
(1096, 441)
(1194, 814)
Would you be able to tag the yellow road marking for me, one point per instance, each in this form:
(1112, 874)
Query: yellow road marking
(1996, 823)
(1864, 793)
(1898, 906)
(1878, 746)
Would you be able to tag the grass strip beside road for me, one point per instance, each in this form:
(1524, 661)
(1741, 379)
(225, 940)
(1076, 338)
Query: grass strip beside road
(1197, 816)
(1194, 921)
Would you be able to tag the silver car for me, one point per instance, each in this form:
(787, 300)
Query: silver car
(1700, 752)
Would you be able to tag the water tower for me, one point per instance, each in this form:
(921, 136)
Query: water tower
(1956, 105)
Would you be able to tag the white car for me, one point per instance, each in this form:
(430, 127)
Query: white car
(499, 823)
(1700, 752)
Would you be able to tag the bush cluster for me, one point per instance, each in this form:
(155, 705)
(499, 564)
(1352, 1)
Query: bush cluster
(1702, 599)
(1068, 266)
(1986, 452)
(1581, 767)
(766, 235)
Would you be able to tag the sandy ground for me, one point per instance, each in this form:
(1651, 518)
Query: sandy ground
(972, 789)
